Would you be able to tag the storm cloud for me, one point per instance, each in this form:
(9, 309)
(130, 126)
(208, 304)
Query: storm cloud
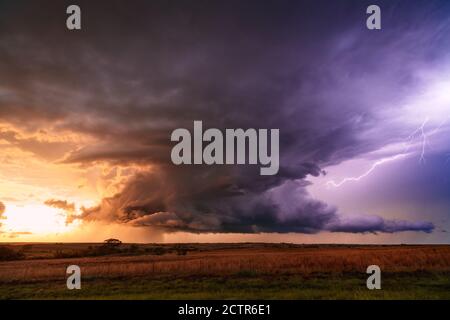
(135, 73)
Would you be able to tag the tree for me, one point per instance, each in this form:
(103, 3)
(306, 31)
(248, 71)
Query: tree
(113, 242)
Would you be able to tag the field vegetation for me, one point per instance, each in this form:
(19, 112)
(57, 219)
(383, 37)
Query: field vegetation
(245, 270)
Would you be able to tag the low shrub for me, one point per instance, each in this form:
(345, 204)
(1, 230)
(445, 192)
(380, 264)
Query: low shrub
(7, 254)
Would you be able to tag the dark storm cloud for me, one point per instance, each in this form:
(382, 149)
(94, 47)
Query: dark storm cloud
(218, 202)
(376, 224)
(136, 72)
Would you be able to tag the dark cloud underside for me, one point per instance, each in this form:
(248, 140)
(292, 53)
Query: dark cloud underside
(138, 71)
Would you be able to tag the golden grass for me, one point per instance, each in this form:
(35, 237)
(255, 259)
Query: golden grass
(223, 262)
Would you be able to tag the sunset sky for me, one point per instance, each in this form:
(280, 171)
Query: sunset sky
(86, 118)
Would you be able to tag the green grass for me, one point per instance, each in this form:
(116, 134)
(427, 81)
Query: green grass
(244, 285)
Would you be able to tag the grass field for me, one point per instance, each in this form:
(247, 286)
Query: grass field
(226, 271)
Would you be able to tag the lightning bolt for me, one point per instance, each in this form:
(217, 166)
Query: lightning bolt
(424, 136)
(420, 132)
(335, 184)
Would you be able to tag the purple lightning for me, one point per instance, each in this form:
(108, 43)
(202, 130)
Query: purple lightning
(420, 132)
(423, 135)
(365, 174)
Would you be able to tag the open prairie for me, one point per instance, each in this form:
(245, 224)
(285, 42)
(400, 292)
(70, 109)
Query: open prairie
(224, 271)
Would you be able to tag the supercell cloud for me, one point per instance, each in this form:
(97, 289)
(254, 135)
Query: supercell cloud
(137, 72)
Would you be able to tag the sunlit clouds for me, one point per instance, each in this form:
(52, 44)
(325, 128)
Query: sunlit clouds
(86, 117)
